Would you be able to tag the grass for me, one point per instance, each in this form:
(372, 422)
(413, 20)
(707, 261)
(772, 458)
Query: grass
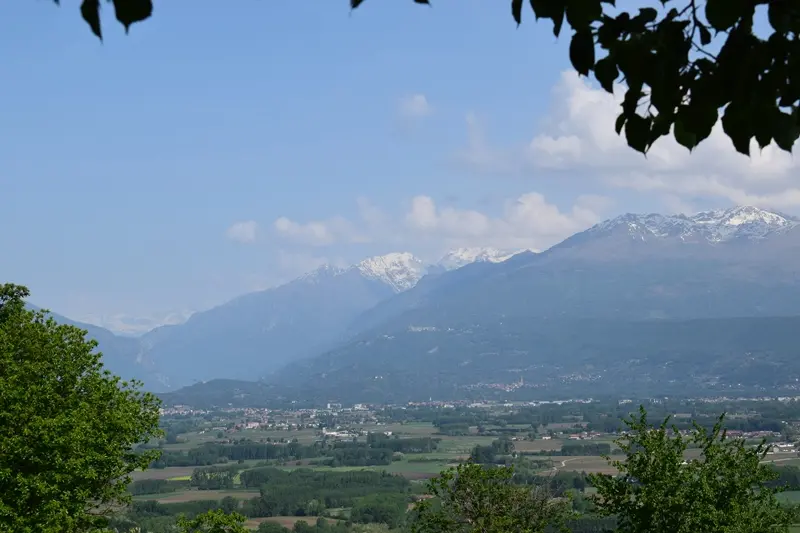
(197, 495)
(538, 445)
(285, 521)
(164, 473)
(409, 470)
(790, 496)
(462, 445)
(580, 463)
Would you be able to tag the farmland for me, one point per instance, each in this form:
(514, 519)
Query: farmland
(290, 466)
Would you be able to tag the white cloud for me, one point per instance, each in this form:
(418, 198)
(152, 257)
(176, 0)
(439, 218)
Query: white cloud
(414, 106)
(528, 221)
(319, 232)
(579, 137)
(244, 232)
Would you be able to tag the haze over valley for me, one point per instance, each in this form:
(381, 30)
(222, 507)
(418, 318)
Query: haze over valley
(647, 302)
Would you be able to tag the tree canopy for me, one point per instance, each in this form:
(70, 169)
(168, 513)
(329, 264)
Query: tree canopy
(724, 490)
(475, 498)
(215, 521)
(683, 63)
(69, 427)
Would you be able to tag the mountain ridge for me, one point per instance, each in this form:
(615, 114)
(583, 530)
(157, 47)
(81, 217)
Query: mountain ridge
(714, 264)
(632, 272)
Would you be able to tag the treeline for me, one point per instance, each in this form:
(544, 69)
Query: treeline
(305, 492)
(378, 450)
(155, 486)
(405, 445)
(602, 416)
(572, 449)
(788, 478)
(371, 496)
(493, 453)
(214, 477)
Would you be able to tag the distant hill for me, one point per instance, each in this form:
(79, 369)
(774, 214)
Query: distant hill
(696, 293)
(556, 358)
(258, 332)
(121, 355)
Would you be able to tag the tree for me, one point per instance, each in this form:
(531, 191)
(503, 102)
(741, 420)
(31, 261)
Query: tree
(213, 522)
(724, 490)
(271, 527)
(69, 427)
(472, 498)
(682, 64)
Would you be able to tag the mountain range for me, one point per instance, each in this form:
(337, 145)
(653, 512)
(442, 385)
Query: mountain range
(258, 332)
(639, 300)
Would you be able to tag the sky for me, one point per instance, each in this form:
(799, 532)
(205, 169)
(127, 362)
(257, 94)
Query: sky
(216, 150)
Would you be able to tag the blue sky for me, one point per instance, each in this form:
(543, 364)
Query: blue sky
(124, 165)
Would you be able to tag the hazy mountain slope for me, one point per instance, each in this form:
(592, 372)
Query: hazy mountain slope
(121, 355)
(558, 357)
(258, 332)
(261, 330)
(722, 264)
(634, 266)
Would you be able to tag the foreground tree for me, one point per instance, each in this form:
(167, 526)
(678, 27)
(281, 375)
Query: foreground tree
(473, 498)
(679, 74)
(68, 426)
(213, 522)
(723, 491)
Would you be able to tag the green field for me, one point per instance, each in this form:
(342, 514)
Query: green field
(285, 521)
(195, 495)
(790, 496)
(409, 470)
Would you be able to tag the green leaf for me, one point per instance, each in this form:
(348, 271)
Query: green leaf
(558, 22)
(637, 132)
(698, 118)
(647, 15)
(785, 130)
(737, 128)
(90, 10)
(606, 72)
(723, 14)
(581, 52)
(131, 11)
(516, 11)
(705, 35)
(581, 13)
(779, 14)
(685, 138)
(620, 122)
(550, 9)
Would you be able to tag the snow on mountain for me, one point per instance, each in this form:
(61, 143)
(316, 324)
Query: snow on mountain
(716, 226)
(400, 270)
(464, 256)
(745, 221)
(322, 272)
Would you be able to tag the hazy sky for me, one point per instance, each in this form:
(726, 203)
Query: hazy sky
(216, 151)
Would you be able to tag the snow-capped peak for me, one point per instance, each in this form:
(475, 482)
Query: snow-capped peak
(464, 256)
(400, 270)
(714, 226)
(321, 272)
(737, 216)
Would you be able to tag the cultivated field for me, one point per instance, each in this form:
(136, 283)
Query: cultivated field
(174, 473)
(285, 521)
(198, 495)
